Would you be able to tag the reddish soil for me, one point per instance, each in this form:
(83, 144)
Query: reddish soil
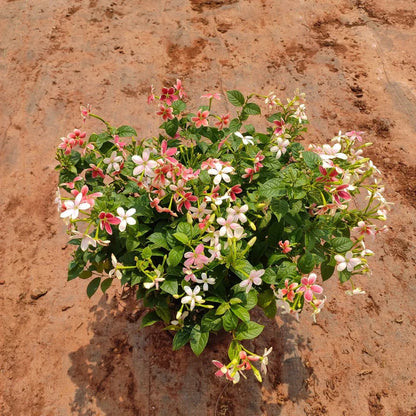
(64, 354)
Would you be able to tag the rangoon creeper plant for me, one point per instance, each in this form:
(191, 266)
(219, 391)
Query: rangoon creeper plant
(211, 218)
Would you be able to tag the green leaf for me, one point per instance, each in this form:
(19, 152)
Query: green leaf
(74, 269)
(101, 139)
(312, 160)
(171, 127)
(306, 263)
(269, 276)
(132, 244)
(178, 106)
(266, 298)
(251, 300)
(93, 286)
(181, 338)
(222, 308)
(252, 109)
(341, 244)
(159, 240)
(327, 270)
(229, 321)
(146, 253)
(163, 313)
(126, 131)
(183, 238)
(106, 284)
(175, 256)
(241, 312)
(287, 270)
(270, 310)
(198, 340)
(280, 207)
(248, 330)
(236, 98)
(211, 322)
(85, 274)
(235, 301)
(170, 286)
(242, 268)
(344, 276)
(149, 319)
(185, 228)
(234, 126)
(273, 188)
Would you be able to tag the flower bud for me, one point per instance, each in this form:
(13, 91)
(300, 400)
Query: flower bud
(252, 241)
(252, 225)
(189, 218)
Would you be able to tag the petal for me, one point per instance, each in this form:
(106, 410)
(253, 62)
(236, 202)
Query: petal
(121, 212)
(130, 212)
(317, 289)
(308, 295)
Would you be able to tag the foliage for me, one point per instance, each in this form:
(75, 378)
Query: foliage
(210, 217)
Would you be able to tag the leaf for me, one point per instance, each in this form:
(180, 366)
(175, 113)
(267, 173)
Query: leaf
(306, 263)
(312, 160)
(280, 207)
(344, 276)
(85, 274)
(229, 321)
(211, 322)
(178, 106)
(183, 238)
(132, 244)
(181, 338)
(163, 313)
(74, 269)
(236, 98)
(266, 298)
(327, 270)
(159, 240)
(149, 319)
(341, 244)
(198, 340)
(170, 286)
(252, 109)
(171, 127)
(241, 312)
(287, 270)
(242, 268)
(146, 253)
(175, 256)
(270, 310)
(273, 188)
(106, 284)
(93, 286)
(222, 308)
(248, 330)
(269, 276)
(126, 131)
(185, 228)
(234, 126)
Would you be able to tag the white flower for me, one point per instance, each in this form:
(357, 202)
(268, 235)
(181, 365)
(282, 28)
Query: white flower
(254, 277)
(144, 164)
(332, 152)
(246, 139)
(283, 306)
(348, 262)
(206, 281)
(113, 162)
(265, 360)
(356, 291)
(86, 241)
(115, 272)
(73, 207)
(125, 218)
(221, 173)
(280, 148)
(155, 281)
(239, 213)
(192, 296)
(300, 113)
(228, 226)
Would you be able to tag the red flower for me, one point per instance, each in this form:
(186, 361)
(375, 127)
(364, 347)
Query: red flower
(106, 220)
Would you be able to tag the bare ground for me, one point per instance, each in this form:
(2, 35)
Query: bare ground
(63, 354)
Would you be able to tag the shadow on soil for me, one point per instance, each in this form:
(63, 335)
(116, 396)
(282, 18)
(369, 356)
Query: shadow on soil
(130, 372)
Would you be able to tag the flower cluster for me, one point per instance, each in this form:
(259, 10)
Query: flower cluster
(211, 218)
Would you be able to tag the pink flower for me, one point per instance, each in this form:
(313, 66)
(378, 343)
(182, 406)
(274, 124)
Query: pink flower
(289, 290)
(340, 192)
(211, 96)
(355, 135)
(85, 110)
(285, 246)
(234, 191)
(364, 228)
(280, 127)
(67, 144)
(201, 119)
(228, 226)
(196, 258)
(224, 121)
(179, 88)
(249, 174)
(308, 288)
(96, 171)
(151, 96)
(165, 112)
(245, 360)
(167, 153)
(186, 200)
(223, 370)
(168, 95)
(327, 175)
(254, 277)
(106, 220)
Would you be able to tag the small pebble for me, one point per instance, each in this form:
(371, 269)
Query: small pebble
(37, 293)
(2, 282)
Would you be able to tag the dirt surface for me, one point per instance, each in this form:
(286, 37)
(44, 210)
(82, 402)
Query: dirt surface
(63, 354)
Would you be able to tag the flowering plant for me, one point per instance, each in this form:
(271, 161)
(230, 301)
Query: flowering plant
(211, 217)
